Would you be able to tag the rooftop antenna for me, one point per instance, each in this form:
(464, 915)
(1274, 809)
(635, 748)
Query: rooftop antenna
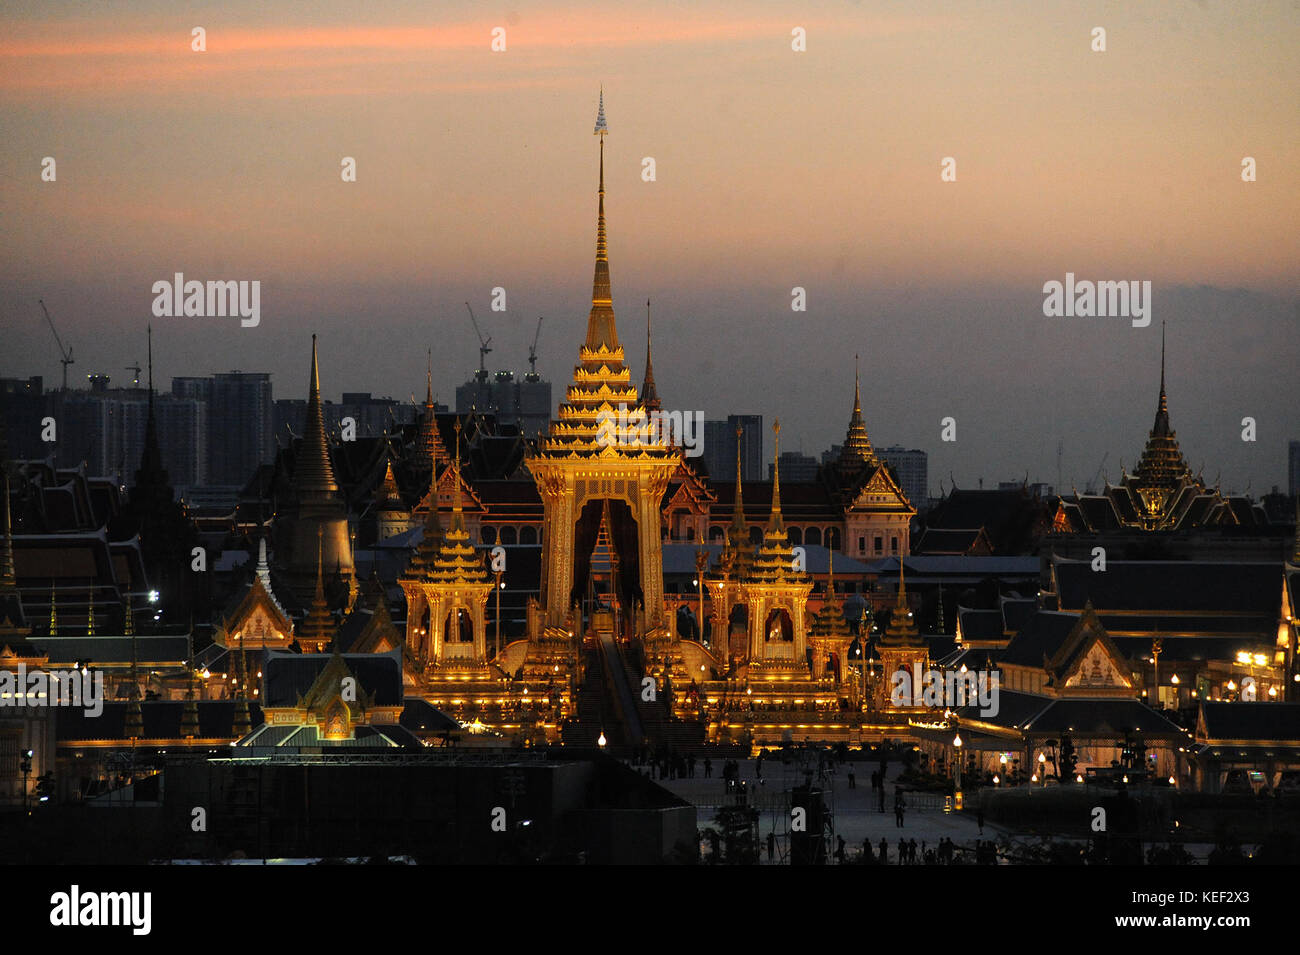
(67, 358)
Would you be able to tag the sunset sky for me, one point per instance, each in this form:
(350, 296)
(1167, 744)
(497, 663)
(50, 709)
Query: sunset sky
(775, 169)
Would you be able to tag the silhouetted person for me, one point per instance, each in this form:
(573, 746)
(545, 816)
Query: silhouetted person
(771, 846)
(708, 767)
(884, 851)
(853, 780)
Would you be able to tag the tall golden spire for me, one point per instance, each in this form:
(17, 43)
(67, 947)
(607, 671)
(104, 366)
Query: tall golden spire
(738, 532)
(775, 558)
(649, 394)
(318, 626)
(313, 474)
(590, 420)
(429, 442)
(774, 521)
(600, 323)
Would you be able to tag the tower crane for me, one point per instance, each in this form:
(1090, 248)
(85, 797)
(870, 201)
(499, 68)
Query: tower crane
(1093, 483)
(532, 353)
(67, 358)
(483, 346)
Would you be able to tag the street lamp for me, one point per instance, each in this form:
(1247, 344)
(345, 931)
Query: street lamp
(27, 768)
(956, 744)
(1042, 767)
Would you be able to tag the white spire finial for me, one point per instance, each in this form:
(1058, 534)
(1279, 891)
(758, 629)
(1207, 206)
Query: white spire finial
(601, 126)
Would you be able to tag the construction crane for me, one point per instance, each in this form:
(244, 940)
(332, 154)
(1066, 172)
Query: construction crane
(532, 354)
(1092, 485)
(483, 346)
(67, 358)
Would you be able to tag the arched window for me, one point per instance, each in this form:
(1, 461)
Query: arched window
(796, 536)
(755, 535)
(528, 535)
(716, 533)
(488, 535)
(813, 536)
(508, 535)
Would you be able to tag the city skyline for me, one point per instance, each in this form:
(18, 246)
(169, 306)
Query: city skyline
(786, 171)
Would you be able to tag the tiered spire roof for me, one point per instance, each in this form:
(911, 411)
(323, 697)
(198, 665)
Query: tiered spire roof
(775, 558)
(602, 383)
(857, 452)
(318, 626)
(313, 475)
(429, 442)
(902, 629)
(457, 560)
(1162, 470)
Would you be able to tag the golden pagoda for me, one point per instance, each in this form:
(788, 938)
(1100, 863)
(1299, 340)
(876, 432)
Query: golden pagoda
(776, 595)
(829, 635)
(318, 626)
(595, 453)
(318, 527)
(901, 649)
(725, 588)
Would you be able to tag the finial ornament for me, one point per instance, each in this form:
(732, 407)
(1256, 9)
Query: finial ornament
(602, 128)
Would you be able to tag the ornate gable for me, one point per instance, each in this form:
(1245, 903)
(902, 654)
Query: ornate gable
(880, 492)
(1088, 660)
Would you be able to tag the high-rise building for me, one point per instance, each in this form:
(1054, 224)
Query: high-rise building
(525, 402)
(720, 448)
(239, 421)
(1293, 468)
(912, 468)
(105, 428)
(796, 467)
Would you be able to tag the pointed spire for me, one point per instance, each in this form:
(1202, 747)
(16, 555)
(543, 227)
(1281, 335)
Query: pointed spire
(151, 473)
(457, 510)
(263, 568)
(312, 472)
(90, 612)
(649, 394)
(318, 625)
(54, 608)
(8, 574)
(1161, 427)
(775, 523)
(600, 323)
(857, 452)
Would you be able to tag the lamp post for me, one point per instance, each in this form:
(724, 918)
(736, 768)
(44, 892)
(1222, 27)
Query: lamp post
(1002, 762)
(500, 587)
(956, 745)
(27, 769)
(1042, 769)
(701, 565)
